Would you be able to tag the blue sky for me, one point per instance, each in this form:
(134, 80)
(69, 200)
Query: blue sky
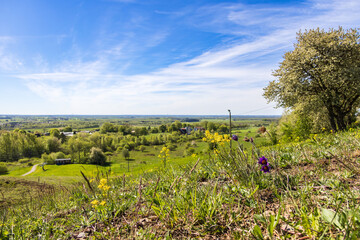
(151, 57)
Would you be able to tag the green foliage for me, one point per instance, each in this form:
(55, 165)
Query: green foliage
(17, 144)
(53, 144)
(97, 156)
(55, 132)
(3, 168)
(50, 158)
(108, 127)
(321, 76)
(67, 129)
(222, 194)
(125, 153)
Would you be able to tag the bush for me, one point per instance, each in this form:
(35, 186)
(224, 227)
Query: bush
(97, 156)
(24, 160)
(172, 147)
(3, 168)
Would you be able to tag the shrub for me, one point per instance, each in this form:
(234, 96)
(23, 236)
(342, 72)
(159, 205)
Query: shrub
(3, 168)
(172, 147)
(97, 156)
(24, 160)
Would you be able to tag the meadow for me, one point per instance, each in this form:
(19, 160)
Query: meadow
(298, 189)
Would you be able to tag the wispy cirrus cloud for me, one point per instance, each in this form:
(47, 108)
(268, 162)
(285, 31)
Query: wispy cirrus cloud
(229, 75)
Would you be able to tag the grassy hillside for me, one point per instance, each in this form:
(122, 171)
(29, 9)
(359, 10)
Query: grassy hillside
(310, 192)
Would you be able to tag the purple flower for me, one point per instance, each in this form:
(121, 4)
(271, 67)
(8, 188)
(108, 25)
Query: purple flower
(265, 168)
(235, 138)
(263, 161)
(251, 140)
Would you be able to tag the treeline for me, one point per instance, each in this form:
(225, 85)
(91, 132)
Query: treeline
(167, 128)
(82, 147)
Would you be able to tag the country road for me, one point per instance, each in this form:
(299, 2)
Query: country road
(31, 171)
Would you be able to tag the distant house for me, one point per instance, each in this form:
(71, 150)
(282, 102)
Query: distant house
(185, 130)
(63, 161)
(86, 132)
(199, 129)
(68, 134)
(182, 130)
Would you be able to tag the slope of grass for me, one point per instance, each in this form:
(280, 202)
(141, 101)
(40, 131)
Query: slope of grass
(311, 192)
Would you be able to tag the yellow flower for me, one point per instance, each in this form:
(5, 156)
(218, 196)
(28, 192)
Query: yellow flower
(91, 180)
(103, 203)
(103, 181)
(216, 152)
(95, 203)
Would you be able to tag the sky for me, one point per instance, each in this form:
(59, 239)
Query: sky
(151, 57)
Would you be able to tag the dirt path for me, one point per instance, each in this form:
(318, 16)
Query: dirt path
(31, 171)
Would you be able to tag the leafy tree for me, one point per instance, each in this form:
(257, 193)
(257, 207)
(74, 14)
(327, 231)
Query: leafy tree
(223, 128)
(154, 130)
(97, 156)
(125, 153)
(53, 145)
(108, 127)
(67, 129)
(162, 128)
(211, 126)
(322, 73)
(55, 132)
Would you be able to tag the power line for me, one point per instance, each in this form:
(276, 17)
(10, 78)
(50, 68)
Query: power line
(259, 109)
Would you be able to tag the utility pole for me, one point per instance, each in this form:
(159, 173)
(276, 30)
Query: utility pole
(230, 127)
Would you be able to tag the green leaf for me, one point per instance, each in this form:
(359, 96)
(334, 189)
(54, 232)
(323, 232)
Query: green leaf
(260, 218)
(257, 232)
(331, 217)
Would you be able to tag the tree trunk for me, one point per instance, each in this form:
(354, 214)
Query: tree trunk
(332, 117)
(340, 120)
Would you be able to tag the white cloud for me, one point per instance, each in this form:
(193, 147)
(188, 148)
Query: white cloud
(221, 78)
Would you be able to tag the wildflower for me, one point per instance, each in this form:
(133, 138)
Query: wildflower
(216, 152)
(246, 139)
(265, 168)
(103, 185)
(251, 140)
(263, 161)
(164, 154)
(103, 181)
(235, 138)
(95, 203)
(103, 203)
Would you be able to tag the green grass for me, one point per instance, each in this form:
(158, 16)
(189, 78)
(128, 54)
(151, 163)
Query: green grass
(70, 170)
(311, 192)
